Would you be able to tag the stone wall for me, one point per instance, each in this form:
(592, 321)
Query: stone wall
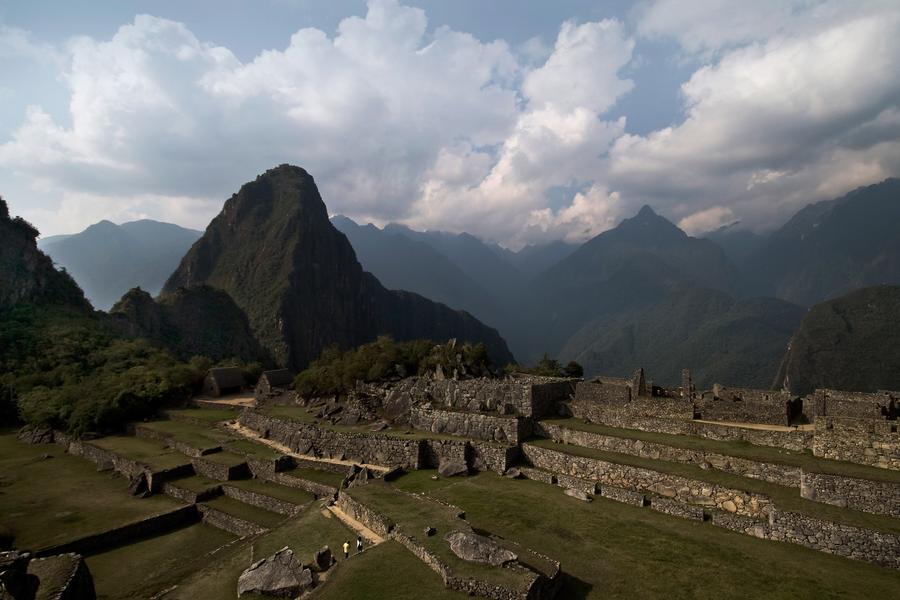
(859, 405)
(470, 425)
(646, 480)
(487, 456)
(170, 441)
(794, 439)
(621, 495)
(320, 490)
(219, 471)
(576, 483)
(127, 534)
(878, 497)
(372, 519)
(437, 451)
(863, 441)
(743, 405)
(676, 509)
(771, 472)
(599, 392)
(261, 500)
(132, 469)
(229, 523)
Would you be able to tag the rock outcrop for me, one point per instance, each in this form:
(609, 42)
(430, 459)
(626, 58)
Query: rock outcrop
(478, 548)
(279, 575)
(274, 251)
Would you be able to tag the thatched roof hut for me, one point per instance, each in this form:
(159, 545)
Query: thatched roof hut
(270, 381)
(223, 380)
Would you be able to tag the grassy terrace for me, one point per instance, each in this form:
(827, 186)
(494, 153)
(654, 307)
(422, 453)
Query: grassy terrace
(149, 452)
(245, 511)
(161, 561)
(229, 459)
(785, 498)
(280, 492)
(739, 449)
(316, 476)
(252, 449)
(385, 571)
(613, 550)
(299, 414)
(195, 483)
(412, 515)
(194, 435)
(50, 501)
(304, 534)
(210, 415)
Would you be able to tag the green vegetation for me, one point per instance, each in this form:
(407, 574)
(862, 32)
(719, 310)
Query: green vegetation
(195, 436)
(149, 452)
(49, 501)
(208, 415)
(613, 550)
(785, 498)
(387, 570)
(267, 488)
(739, 449)
(244, 511)
(252, 449)
(317, 476)
(336, 371)
(160, 562)
(550, 367)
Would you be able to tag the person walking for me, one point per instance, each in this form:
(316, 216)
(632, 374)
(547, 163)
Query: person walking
(346, 550)
(358, 544)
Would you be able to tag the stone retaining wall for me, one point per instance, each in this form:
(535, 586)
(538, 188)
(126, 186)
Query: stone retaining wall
(742, 405)
(676, 509)
(107, 460)
(621, 495)
(173, 490)
(261, 500)
(863, 441)
(878, 497)
(576, 483)
(270, 465)
(372, 519)
(645, 480)
(229, 523)
(491, 457)
(219, 471)
(860, 405)
(538, 475)
(127, 534)
(470, 425)
(320, 490)
(794, 439)
(170, 441)
(435, 452)
(774, 473)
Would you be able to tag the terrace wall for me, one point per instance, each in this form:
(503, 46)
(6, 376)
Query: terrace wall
(878, 497)
(744, 405)
(858, 405)
(862, 441)
(470, 425)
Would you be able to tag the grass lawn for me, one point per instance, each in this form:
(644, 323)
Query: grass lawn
(195, 436)
(229, 459)
(244, 511)
(150, 452)
(210, 415)
(45, 502)
(614, 550)
(253, 449)
(317, 476)
(387, 571)
(304, 534)
(281, 492)
(195, 483)
(785, 498)
(412, 515)
(740, 449)
(161, 562)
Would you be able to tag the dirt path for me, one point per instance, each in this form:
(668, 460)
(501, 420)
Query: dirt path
(243, 400)
(250, 434)
(367, 534)
(759, 426)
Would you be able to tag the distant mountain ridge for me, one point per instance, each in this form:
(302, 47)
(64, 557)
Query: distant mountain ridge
(274, 251)
(107, 259)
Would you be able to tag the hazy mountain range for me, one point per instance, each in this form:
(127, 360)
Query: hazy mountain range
(644, 293)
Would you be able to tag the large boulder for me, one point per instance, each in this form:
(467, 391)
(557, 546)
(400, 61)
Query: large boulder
(279, 575)
(450, 468)
(35, 434)
(323, 559)
(15, 583)
(478, 548)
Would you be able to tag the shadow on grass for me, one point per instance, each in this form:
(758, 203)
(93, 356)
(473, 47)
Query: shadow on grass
(574, 588)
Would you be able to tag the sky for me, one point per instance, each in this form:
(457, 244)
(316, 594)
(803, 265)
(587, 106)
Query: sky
(517, 121)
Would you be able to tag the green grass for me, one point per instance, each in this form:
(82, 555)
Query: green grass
(317, 476)
(195, 436)
(195, 483)
(150, 452)
(387, 571)
(46, 502)
(211, 415)
(304, 534)
(246, 512)
(412, 515)
(613, 550)
(785, 498)
(160, 561)
(253, 449)
(229, 459)
(280, 492)
(739, 449)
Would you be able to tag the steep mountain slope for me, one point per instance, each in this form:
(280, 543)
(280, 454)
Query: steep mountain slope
(736, 342)
(738, 244)
(622, 269)
(848, 343)
(190, 322)
(273, 250)
(537, 258)
(107, 260)
(27, 275)
(832, 247)
(401, 263)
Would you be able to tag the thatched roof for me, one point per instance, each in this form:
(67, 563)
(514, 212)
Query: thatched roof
(279, 377)
(227, 377)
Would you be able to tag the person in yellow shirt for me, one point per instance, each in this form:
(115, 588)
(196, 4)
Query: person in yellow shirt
(346, 550)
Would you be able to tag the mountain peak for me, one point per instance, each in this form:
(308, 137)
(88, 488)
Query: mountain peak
(646, 211)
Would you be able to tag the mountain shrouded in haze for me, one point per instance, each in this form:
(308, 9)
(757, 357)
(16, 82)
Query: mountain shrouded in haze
(830, 248)
(274, 251)
(107, 259)
(848, 343)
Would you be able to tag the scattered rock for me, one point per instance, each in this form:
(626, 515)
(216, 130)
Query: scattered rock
(434, 478)
(430, 531)
(379, 426)
(478, 548)
(32, 434)
(45, 456)
(139, 486)
(278, 575)
(451, 468)
(513, 473)
(729, 506)
(580, 495)
(323, 559)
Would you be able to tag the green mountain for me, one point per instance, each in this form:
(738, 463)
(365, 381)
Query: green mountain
(848, 343)
(107, 260)
(274, 251)
(832, 247)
